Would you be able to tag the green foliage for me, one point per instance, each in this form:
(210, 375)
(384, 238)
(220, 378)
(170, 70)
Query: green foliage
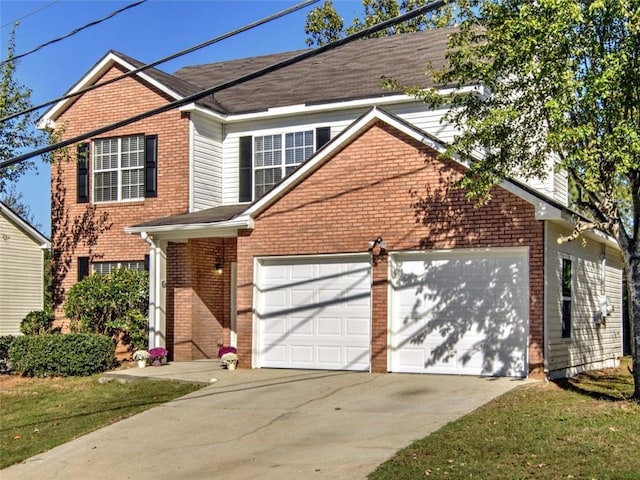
(553, 82)
(115, 305)
(324, 24)
(5, 343)
(18, 133)
(38, 322)
(61, 355)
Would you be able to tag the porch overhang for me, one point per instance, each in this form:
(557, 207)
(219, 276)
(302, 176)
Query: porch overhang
(219, 222)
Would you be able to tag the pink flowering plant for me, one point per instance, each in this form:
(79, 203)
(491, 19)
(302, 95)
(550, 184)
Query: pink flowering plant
(156, 354)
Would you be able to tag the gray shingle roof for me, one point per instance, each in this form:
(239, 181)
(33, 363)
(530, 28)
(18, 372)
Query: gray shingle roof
(349, 72)
(209, 215)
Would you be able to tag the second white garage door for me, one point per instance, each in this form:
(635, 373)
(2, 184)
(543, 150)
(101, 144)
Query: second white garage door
(314, 313)
(460, 312)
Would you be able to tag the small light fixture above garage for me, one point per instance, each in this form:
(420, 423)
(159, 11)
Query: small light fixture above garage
(218, 268)
(378, 241)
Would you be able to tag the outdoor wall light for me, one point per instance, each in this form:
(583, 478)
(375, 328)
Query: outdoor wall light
(378, 241)
(218, 268)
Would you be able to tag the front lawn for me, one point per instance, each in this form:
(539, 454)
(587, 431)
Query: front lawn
(37, 414)
(582, 428)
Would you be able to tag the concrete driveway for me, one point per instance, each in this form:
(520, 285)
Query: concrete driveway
(270, 424)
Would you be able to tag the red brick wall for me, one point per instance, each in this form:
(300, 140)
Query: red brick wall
(95, 109)
(386, 184)
(198, 305)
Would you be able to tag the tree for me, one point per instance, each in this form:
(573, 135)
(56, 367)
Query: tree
(554, 79)
(12, 198)
(17, 133)
(324, 24)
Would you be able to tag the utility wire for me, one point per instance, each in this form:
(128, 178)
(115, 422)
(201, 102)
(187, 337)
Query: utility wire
(130, 73)
(73, 32)
(29, 14)
(222, 86)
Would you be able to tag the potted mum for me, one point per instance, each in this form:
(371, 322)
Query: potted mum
(141, 356)
(229, 360)
(158, 356)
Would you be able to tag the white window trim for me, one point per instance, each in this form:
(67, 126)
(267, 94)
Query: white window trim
(283, 155)
(119, 169)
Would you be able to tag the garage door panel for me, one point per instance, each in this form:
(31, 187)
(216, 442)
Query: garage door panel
(329, 326)
(326, 313)
(460, 315)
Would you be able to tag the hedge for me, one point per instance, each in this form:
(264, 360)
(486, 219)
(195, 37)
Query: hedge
(5, 343)
(53, 355)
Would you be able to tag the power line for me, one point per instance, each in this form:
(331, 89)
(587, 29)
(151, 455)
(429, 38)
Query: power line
(29, 14)
(73, 32)
(222, 86)
(130, 73)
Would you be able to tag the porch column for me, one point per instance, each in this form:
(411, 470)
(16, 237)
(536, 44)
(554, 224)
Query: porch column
(157, 292)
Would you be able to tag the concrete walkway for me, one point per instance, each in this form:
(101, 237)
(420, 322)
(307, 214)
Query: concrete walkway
(266, 424)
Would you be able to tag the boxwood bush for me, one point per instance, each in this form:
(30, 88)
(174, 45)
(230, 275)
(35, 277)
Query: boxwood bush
(61, 355)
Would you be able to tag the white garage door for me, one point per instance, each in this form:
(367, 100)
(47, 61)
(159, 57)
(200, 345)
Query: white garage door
(314, 313)
(460, 312)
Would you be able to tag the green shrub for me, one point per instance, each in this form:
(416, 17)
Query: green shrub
(61, 355)
(5, 343)
(115, 305)
(38, 322)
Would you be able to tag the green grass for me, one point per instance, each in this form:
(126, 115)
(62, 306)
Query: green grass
(38, 414)
(582, 428)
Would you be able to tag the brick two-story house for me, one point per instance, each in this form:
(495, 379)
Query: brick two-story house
(306, 217)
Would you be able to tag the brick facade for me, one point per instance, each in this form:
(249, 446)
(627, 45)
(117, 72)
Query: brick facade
(385, 184)
(97, 230)
(198, 298)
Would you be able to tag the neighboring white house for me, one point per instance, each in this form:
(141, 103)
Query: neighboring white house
(21, 270)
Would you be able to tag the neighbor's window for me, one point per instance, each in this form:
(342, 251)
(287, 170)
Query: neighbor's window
(118, 169)
(567, 277)
(105, 268)
(276, 156)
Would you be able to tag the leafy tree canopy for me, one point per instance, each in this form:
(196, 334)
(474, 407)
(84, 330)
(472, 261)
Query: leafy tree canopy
(325, 25)
(18, 133)
(553, 81)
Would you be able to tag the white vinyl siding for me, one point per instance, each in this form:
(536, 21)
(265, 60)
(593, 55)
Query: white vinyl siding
(336, 120)
(21, 271)
(593, 343)
(118, 169)
(207, 172)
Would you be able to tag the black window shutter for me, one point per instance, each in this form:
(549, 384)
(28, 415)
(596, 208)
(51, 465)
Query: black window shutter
(146, 263)
(83, 267)
(83, 173)
(151, 166)
(245, 169)
(323, 135)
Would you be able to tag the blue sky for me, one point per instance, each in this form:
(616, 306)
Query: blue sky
(148, 32)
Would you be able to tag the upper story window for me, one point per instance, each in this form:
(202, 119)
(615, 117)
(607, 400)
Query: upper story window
(120, 169)
(266, 159)
(276, 156)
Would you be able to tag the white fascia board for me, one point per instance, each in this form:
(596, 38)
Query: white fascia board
(336, 144)
(301, 109)
(96, 72)
(543, 209)
(195, 230)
